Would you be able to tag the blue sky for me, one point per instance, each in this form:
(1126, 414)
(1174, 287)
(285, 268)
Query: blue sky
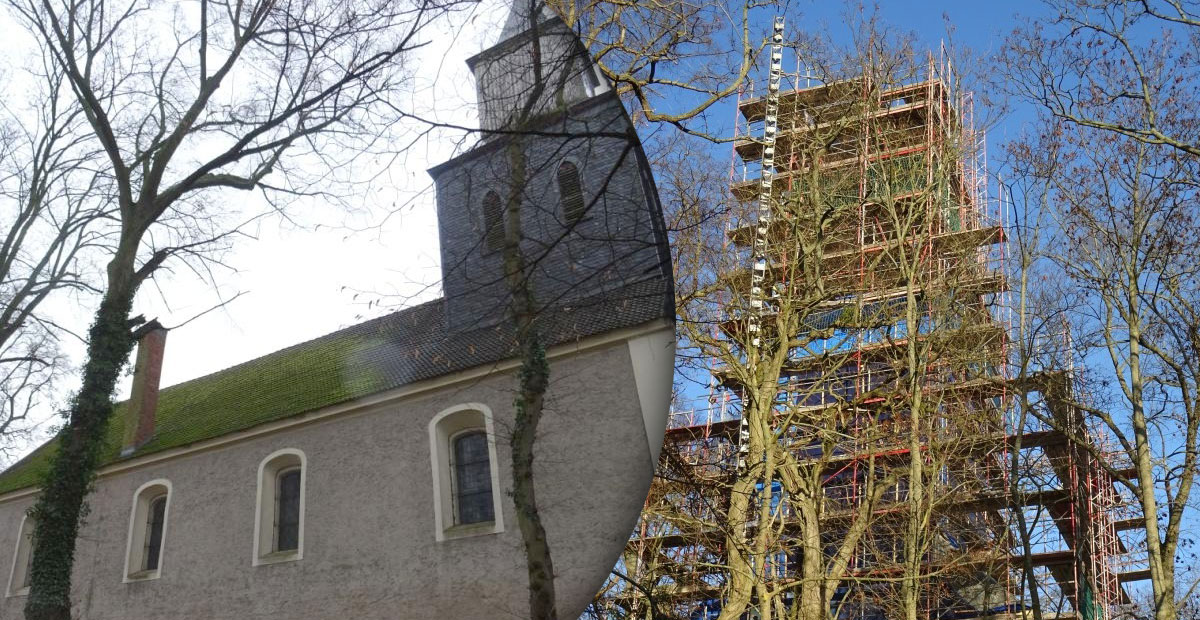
(978, 24)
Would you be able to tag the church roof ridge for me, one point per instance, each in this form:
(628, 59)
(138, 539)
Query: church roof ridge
(376, 355)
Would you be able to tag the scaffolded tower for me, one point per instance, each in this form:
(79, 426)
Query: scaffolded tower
(859, 454)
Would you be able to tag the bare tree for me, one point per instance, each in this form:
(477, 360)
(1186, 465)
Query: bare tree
(843, 432)
(248, 96)
(1125, 67)
(53, 197)
(1124, 210)
(541, 121)
(671, 61)
(1113, 168)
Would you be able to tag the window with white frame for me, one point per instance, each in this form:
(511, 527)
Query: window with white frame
(147, 530)
(18, 578)
(279, 515)
(465, 475)
(594, 82)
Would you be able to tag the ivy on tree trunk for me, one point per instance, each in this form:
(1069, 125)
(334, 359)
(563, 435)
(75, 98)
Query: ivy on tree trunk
(528, 405)
(61, 508)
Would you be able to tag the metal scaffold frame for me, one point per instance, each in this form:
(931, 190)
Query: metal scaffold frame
(917, 138)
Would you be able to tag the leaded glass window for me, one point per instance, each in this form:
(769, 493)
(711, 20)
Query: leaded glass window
(27, 541)
(287, 510)
(155, 519)
(473, 479)
(570, 192)
(493, 221)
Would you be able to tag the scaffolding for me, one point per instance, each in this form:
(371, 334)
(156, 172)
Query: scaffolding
(889, 389)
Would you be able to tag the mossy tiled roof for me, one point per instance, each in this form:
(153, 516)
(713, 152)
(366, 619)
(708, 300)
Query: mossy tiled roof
(381, 354)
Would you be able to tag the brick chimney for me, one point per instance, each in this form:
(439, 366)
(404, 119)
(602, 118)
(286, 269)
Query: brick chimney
(143, 399)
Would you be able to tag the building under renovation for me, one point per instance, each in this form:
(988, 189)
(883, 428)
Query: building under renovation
(866, 448)
(367, 473)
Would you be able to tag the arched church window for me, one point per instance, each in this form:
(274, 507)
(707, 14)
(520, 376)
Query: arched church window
(472, 478)
(147, 530)
(279, 521)
(462, 450)
(18, 580)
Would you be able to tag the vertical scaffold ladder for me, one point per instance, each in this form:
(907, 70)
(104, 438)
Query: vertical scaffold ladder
(760, 258)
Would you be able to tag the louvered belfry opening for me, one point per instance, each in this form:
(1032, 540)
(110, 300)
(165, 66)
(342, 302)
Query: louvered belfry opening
(493, 222)
(570, 192)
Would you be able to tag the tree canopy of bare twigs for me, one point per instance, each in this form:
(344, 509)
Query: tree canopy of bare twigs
(1122, 259)
(1108, 181)
(55, 201)
(815, 497)
(671, 61)
(1125, 67)
(179, 102)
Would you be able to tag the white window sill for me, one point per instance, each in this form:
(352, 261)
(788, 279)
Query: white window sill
(22, 592)
(471, 530)
(278, 557)
(145, 575)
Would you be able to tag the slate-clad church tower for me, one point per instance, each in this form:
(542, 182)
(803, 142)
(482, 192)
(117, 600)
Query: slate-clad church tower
(590, 219)
(367, 473)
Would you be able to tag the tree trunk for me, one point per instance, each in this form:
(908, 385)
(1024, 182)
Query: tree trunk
(535, 373)
(812, 571)
(738, 556)
(61, 505)
(1162, 566)
(746, 554)
(913, 543)
(535, 376)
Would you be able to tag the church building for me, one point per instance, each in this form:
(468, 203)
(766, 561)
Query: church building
(366, 474)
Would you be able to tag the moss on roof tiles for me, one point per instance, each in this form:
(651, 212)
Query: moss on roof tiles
(29, 471)
(301, 378)
(364, 359)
